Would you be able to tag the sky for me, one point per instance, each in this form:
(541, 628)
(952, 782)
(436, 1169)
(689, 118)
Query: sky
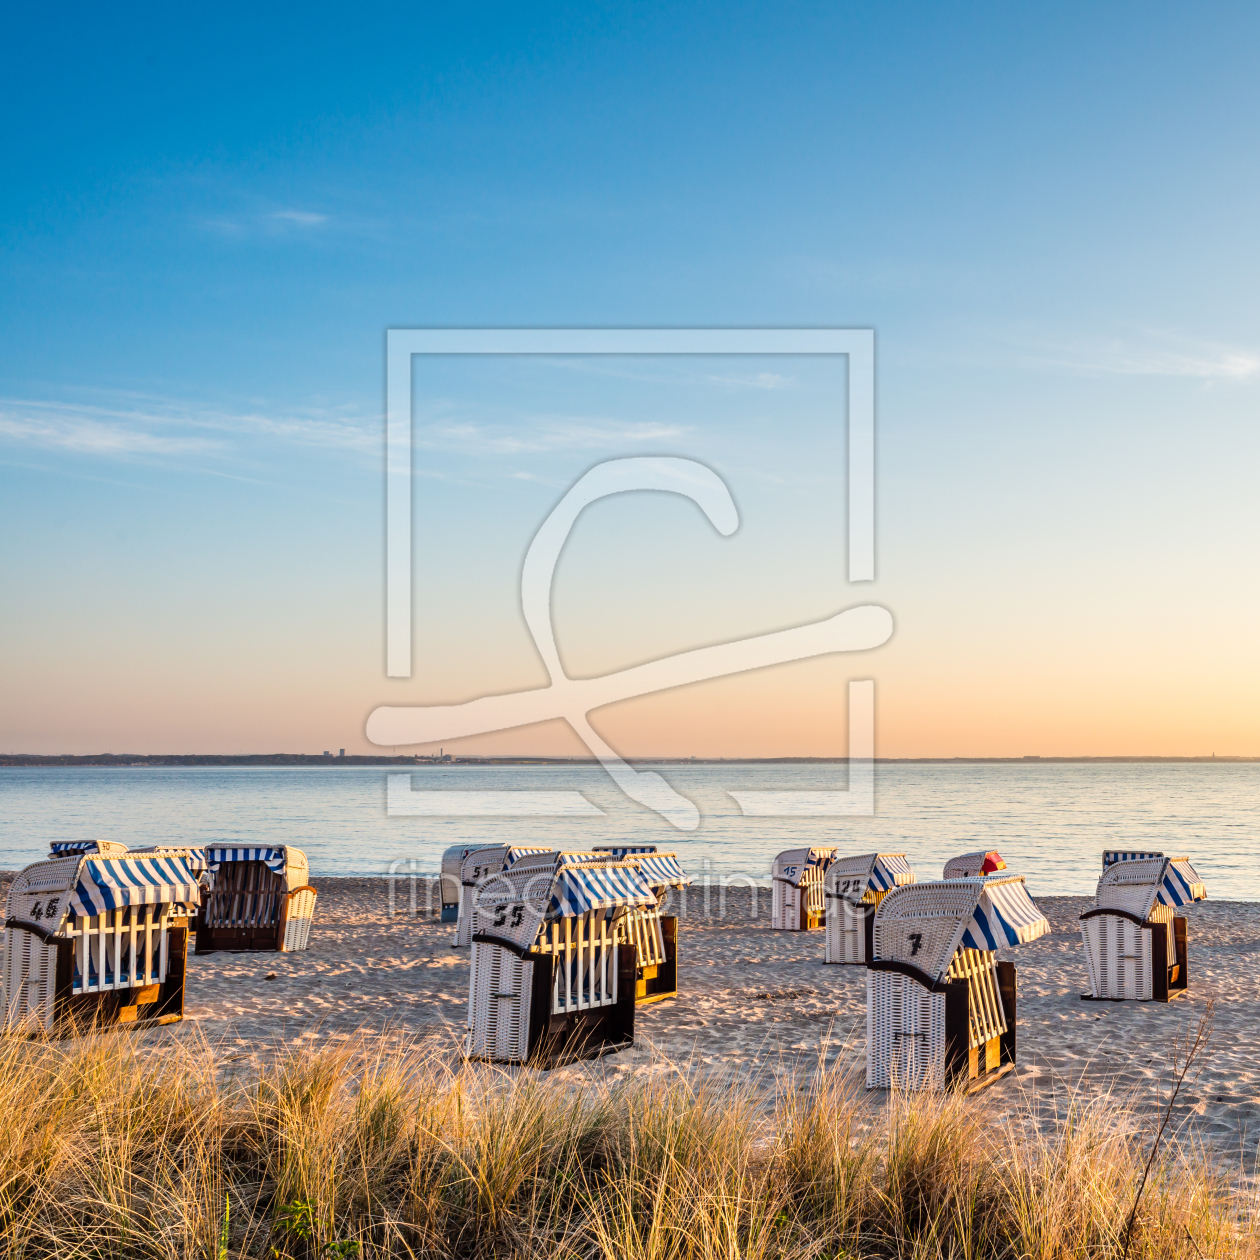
(209, 220)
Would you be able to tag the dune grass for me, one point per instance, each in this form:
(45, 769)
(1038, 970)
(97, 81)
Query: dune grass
(111, 1151)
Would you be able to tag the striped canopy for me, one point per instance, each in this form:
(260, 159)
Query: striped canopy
(1181, 884)
(891, 870)
(1112, 856)
(663, 870)
(216, 855)
(112, 883)
(194, 859)
(72, 846)
(1004, 915)
(581, 888)
(519, 851)
(627, 850)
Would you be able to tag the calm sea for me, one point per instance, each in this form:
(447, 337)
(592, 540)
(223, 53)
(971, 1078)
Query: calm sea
(1050, 822)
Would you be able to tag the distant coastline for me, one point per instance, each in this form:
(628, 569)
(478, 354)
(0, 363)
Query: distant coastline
(325, 761)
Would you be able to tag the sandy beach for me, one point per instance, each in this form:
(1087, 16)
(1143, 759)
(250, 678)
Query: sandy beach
(755, 1002)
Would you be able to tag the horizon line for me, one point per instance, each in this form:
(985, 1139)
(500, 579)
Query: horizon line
(10, 760)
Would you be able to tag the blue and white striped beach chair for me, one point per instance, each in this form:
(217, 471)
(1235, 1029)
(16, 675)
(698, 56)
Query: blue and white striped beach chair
(796, 890)
(553, 971)
(97, 940)
(260, 899)
(1135, 944)
(940, 1007)
(852, 890)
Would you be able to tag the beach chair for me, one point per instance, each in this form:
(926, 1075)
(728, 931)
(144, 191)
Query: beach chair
(796, 899)
(852, 890)
(654, 935)
(940, 1007)
(480, 864)
(96, 940)
(553, 973)
(1135, 945)
(101, 848)
(967, 865)
(259, 900)
(452, 874)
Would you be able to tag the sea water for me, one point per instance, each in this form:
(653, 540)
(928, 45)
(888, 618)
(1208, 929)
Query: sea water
(1049, 821)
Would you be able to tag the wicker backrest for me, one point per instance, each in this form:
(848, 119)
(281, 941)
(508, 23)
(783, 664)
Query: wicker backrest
(53, 875)
(513, 905)
(850, 877)
(453, 861)
(1131, 886)
(969, 865)
(480, 863)
(792, 864)
(922, 924)
(868, 876)
(1138, 885)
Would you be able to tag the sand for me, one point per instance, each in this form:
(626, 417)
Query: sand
(758, 1003)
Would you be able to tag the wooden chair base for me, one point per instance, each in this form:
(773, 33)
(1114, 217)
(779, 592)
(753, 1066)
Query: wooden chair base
(144, 1007)
(1173, 995)
(238, 940)
(983, 1082)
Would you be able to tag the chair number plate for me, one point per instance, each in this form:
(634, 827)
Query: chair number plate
(518, 913)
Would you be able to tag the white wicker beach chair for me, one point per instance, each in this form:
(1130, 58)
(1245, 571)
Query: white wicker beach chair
(553, 971)
(95, 940)
(852, 889)
(796, 899)
(969, 865)
(940, 1007)
(259, 900)
(100, 848)
(1135, 945)
(452, 874)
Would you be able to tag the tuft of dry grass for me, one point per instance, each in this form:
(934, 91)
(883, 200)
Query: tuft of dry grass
(115, 1149)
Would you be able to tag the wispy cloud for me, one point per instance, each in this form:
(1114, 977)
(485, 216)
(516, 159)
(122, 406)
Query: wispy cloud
(303, 218)
(160, 427)
(257, 222)
(540, 437)
(94, 437)
(1155, 354)
(758, 380)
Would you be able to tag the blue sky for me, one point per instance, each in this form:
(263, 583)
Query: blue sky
(207, 222)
